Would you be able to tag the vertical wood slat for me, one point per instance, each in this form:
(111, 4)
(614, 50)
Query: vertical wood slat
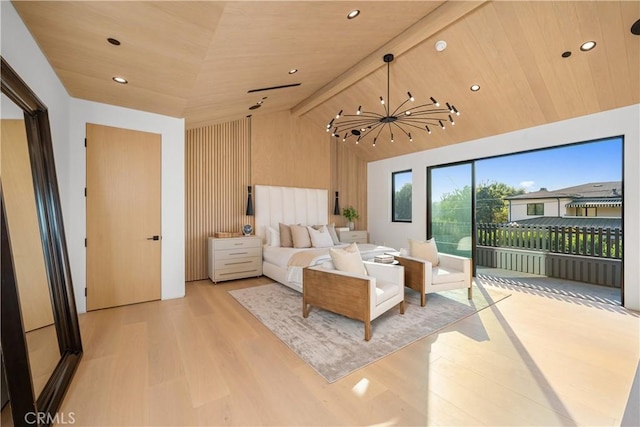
(217, 175)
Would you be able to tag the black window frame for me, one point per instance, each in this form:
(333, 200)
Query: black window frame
(393, 196)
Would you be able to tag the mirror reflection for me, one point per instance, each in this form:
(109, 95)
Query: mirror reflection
(26, 244)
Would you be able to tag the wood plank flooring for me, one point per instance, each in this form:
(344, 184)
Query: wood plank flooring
(204, 360)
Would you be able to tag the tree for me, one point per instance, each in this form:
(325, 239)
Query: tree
(402, 203)
(491, 206)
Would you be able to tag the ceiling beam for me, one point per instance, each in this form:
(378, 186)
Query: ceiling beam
(445, 15)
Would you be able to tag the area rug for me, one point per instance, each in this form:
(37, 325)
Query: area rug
(334, 345)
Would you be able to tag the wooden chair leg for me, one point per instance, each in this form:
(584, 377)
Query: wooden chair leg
(305, 309)
(401, 307)
(423, 299)
(367, 330)
(470, 292)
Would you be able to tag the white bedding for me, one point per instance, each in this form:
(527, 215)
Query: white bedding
(279, 257)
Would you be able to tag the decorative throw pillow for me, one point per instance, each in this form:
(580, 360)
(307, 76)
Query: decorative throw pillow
(273, 238)
(426, 250)
(348, 259)
(320, 238)
(286, 241)
(300, 236)
(332, 231)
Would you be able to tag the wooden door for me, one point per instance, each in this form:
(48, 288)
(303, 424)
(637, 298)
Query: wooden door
(24, 229)
(123, 216)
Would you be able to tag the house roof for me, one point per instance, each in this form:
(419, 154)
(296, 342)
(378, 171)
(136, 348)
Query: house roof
(201, 60)
(585, 221)
(609, 190)
(590, 202)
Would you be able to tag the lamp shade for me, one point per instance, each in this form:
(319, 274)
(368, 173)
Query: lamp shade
(249, 202)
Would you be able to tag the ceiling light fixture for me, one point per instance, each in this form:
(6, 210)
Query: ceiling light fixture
(475, 88)
(293, 71)
(587, 46)
(420, 117)
(113, 41)
(353, 14)
(635, 28)
(440, 45)
(566, 54)
(120, 80)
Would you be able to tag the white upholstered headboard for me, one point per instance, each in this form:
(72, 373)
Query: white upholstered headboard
(289, 205)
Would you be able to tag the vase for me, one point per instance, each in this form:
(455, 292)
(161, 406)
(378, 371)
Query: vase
(351, 225)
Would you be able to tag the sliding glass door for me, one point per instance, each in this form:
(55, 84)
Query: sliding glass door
(450, 208)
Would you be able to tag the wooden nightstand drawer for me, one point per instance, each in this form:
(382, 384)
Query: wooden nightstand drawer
(234, 258)
(357, 236)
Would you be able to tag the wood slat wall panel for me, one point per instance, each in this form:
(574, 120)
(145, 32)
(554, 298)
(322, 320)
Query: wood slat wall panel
(349, 178)
(218, 166)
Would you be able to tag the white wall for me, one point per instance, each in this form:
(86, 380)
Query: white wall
(172, 131)
(68, 117)
(622, 121)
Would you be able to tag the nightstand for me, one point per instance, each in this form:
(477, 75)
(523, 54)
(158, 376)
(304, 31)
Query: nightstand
(234, 258)
(357, 236)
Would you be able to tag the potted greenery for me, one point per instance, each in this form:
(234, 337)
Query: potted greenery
(350, 213)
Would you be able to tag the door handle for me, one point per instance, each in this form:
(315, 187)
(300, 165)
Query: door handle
(153, 238)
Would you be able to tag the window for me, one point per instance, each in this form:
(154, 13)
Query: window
(535, 208)
(401, 196)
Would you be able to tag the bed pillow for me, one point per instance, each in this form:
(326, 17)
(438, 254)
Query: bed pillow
(320, 238)
(273, 237)
(286, 240)
(300, 236)
(348, 259)
(332, 231)
(426, 250)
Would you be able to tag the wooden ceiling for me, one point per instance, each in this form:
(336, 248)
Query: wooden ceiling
(199, 59)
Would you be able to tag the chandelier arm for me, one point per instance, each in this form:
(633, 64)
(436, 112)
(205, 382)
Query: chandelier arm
(417, 107)
(400, 106)
(402, 129)
(426, 120)
(356, 124)
(429, 113)
(418, 127)
(365, 114)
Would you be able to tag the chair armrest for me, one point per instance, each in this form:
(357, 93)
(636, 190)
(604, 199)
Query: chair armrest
(427, 264)
(322, 269)
(456, 262)
(387, 272)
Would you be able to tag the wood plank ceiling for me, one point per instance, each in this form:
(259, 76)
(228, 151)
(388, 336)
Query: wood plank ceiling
(198, 60)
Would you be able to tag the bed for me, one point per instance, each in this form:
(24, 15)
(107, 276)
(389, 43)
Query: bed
(291, 205)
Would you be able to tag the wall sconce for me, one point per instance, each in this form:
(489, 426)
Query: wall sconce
(249, 203)
(336, 206)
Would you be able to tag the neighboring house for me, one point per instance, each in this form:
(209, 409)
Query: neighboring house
(595, 199)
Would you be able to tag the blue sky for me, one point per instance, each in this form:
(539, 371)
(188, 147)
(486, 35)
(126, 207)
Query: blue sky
(554, 168)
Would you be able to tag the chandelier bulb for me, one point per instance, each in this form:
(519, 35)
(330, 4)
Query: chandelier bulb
(453, 107)
(441, 125)
(359, 110)
(436, 103)
(428, 130)
(391, 137)
(339, 114)
(374, 141)
(381, 101)
(410, 138)
(449, 107)
(407, 113)
(451, 120)
(410, 97)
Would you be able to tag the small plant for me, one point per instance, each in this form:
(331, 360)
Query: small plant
(350, 213)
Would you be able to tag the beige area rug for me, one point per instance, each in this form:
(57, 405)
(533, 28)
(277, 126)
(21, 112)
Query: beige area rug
(334, 345)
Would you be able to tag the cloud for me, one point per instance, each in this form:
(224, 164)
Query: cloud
(527, 184)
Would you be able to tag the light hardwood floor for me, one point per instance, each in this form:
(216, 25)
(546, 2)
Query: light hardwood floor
(531, 359)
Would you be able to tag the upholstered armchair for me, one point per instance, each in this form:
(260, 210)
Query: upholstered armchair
(452, 272)
(354, 295)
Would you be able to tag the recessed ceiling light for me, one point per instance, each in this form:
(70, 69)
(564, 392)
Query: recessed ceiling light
(475, 88)
(113, 41)
(635, 28)
(120, 80)
(566, 54)
(353, 14)
(441, 45)
(586, 46)
(293, 71)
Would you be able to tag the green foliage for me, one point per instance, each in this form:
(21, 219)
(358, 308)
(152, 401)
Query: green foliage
(402, 203)
(350, 213)
(491, 206)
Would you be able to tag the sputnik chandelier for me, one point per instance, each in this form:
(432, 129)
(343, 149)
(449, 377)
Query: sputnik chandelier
(360, 125)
